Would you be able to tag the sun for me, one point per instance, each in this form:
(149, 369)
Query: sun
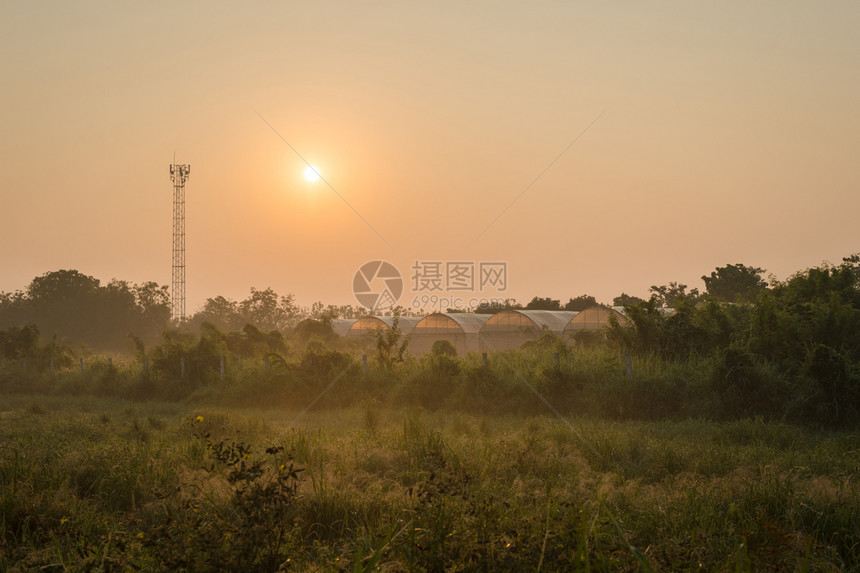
(312, 173)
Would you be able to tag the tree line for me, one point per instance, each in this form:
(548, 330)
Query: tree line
(742, 347)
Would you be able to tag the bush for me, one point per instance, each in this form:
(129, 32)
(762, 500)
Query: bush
(443, 347)
(830, 390)
(746, 386)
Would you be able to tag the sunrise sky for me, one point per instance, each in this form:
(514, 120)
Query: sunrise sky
(720, 132)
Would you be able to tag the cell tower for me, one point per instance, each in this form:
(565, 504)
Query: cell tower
(178, 174)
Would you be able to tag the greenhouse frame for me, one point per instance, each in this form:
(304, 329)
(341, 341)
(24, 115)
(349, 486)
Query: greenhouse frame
(461, 329)
(595, 318)
(509, 328)
(341, 326)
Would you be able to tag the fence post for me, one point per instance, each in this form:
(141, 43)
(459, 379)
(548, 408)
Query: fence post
(484, 358)
(52, 366)
(364, 362)
(82, 366)
(266, 364)
(629, 362)
(222, 368)
(557, 360)
(110, 362)
(182, 367)
(146, 364)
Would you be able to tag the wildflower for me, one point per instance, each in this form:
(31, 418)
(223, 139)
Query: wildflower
(140, 535)
(64, 520)
(199, 418)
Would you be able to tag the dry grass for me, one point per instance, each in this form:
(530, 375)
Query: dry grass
(89, 481)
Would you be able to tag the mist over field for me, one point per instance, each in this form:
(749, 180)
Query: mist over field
(696, 429)
(503, 286)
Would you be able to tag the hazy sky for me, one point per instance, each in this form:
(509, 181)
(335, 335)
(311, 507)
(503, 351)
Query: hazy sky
(730, 132)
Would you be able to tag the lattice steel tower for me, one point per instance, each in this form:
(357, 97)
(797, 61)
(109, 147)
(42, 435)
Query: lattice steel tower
(178, 174)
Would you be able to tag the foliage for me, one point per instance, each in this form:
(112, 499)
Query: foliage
(79, 310)
(817, 306)
(746, 386)
(547, 303)
(252, 536)
(19, 342)
(671, 295)
(830, 389)
(492, 307)
(443, 359)
(253, 342)
(264, 309)
(221, 312)
(391, 346)
(22, 344)
(321, 361)
(735, 283)
(792, 354)
(110, 485)
(581, 302)
(311, 328)
(189, 362)
(626, 300)
(443, 347)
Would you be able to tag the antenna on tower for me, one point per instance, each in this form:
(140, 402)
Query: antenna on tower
(178, 174)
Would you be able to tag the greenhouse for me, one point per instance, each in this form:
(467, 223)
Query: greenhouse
(509, 329)
(368, 326)
(459, 328)
(341, 326)
(595, 318)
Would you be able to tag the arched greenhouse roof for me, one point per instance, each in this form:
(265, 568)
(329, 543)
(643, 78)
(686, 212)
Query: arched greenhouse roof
(451, 322)
(510, 320)
(595, 318)
(342, 325)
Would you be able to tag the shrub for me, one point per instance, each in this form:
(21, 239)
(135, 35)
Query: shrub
(746, 386)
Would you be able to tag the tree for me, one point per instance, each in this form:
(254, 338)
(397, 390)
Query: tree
(492, 307)
(263, 310)
(391, 346)
(581, 302)
(346, 311)
(443, 347)
(221, 312)
(65, 303)
(853, 262)
(735, 283)
(61, 286)
(313, 328)
(671, 295)
(819, 306)
(153, 307)
(626, 300)
(13, 309)
(78, 309)
(19, 342)
(538, 303)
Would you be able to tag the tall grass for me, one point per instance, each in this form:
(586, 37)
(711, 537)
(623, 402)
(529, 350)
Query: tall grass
(91, 483)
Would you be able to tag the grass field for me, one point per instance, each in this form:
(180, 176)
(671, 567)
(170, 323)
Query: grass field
(93, 483)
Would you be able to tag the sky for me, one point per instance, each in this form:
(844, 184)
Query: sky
(592, 147)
